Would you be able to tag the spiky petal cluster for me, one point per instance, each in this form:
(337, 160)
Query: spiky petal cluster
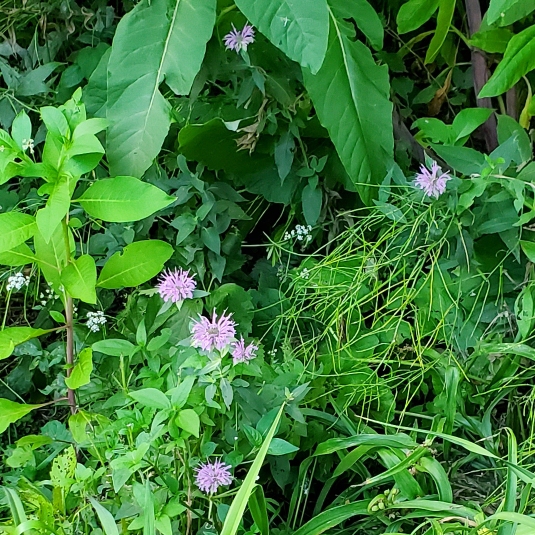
(239, 39)
(216, 333)
(211, 476)
(433, 182)
(176, 285)
(243, 353)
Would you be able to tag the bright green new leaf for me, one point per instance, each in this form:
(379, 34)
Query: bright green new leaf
(446, 8)
(18, 256)
(529, 249)
(300, 28)
(21, 129)
(505, 12)
(15, 228)
(519, 59)
(172, 35)
(136, 264)
(123, 199)
(151, 397)
(49, 218)
(414, 14)
(14, 336)
(351, 95)
(10, 412)
(494, 40)
(80, 278)
(51, 257)
(54, 120)
(188, 420)
(81, 373)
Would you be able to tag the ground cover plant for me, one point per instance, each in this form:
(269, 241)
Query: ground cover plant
(267, 267)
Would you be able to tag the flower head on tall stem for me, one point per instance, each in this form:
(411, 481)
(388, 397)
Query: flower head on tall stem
(211, 476)
(216, 333)
(243, 353)
(176, 285)
(433, 182)
(239, 39)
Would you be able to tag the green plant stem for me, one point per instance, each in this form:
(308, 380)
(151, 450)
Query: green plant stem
(69, 350)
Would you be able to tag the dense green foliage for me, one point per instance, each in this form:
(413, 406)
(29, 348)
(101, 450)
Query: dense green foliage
(390, 385)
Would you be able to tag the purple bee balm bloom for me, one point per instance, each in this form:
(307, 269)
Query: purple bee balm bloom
(176, 285)
(243, 353)
(211, 476)
(432, 182)
(216, 333)
(239, 39)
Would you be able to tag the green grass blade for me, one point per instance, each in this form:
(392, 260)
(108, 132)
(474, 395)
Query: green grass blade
(239, 503)
(257, 506)
(106, 518)
(332, 517)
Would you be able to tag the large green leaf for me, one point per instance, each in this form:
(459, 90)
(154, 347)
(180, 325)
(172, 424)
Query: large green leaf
(519, 59)
(505, 12)
(15, 228)
(414, 13)
(446, 8)
(156, 41)
(123, 199)
(80, 277)
(13, 336)
(18, 256)
(10, 412)
(136, 264)
(351, 96)
(52, 257)
(298, 27)
(57, 206)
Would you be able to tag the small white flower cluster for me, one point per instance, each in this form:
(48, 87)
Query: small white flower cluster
(304, 274)
(49, 295)
(300, 233)
(27, 144)
(17, 281)
(95, 320)
(273, 352)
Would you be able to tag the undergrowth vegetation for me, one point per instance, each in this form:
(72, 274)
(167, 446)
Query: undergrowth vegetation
(267, 266)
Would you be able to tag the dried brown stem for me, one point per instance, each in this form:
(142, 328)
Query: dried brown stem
(481, 74)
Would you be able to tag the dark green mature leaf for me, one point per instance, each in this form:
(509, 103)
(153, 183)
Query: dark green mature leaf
(519, 59)
(171, 35)
(96, 92)
(123, 199)
(351, 96)
(463, 159)
(136, 264)
(446, 9)
(298, 27)
(414, 13)
(15, 228)
(505, 12)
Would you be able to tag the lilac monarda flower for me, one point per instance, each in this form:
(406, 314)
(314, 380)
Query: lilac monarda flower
(216, 333)
(211, 476)
(243, 353)
(176, 285)
(433, 182)
(239, 39)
